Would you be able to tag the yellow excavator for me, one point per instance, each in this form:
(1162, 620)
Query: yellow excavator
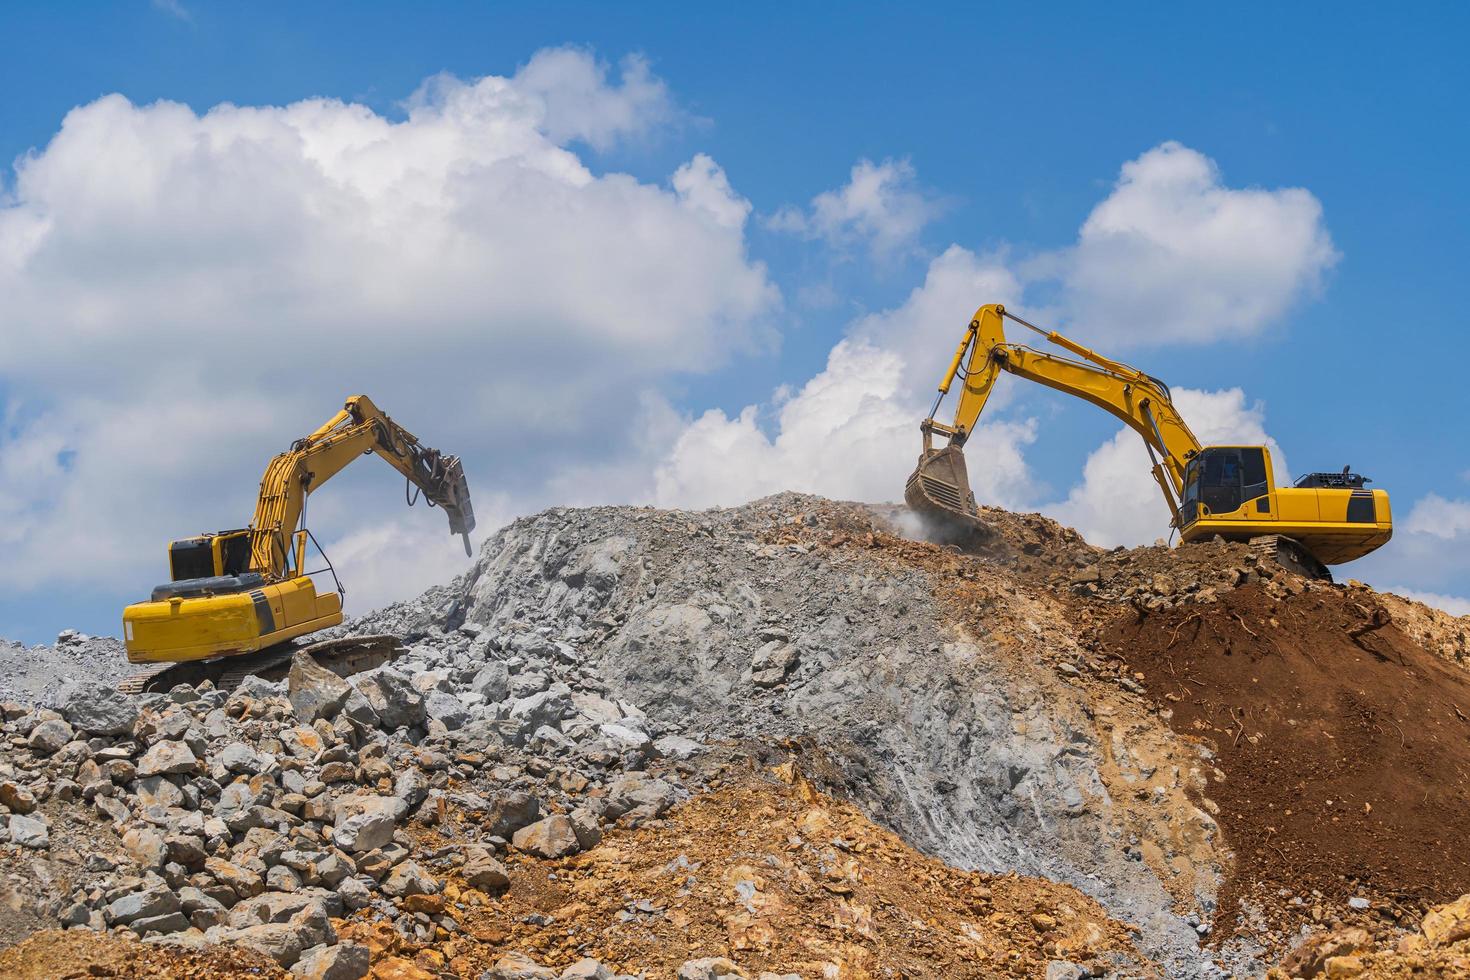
(1323, 519)
(238, 592)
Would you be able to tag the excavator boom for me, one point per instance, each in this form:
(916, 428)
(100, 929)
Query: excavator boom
(1218, 490)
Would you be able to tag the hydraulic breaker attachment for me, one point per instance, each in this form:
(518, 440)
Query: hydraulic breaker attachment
(448, 488)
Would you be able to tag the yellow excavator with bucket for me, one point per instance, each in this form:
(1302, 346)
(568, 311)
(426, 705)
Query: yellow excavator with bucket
(245, 592)
(1323, 519)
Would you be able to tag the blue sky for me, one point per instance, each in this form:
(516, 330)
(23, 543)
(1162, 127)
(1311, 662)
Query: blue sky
(1009, 127)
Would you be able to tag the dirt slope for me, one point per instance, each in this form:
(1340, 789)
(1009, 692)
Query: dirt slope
(779, 878)
(1342, 746)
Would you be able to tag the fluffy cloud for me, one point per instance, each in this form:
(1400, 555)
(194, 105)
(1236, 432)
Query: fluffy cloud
(703, 186)
(1171, 255)
(182, 294)
(880, 206)
(580, 104)
(1118, 501)
(1429, 556)
(1174, 255)
(1441, 518)
(929, 323)
(851, 432)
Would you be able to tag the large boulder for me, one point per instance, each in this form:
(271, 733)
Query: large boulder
(96, 708)
(48, 737)
(639, 797)
(144, 904)
(167, 758)
(547, 707)
(29, 832)
(363, 823)
(447, 709)
(482, 871)
(492, 682)
(407, 878)
(314, 691)
(553, 837)
(392, 697)
(344, 961)
(508, 812)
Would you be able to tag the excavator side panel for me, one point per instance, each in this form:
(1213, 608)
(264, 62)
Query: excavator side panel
(176, 630)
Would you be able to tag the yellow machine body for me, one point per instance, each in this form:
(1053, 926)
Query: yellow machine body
(1333, 524)
(238, 592)
(1229, 491)
(179, 629)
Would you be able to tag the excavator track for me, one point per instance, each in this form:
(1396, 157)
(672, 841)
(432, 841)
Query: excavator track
(344, 657)
(1292, 556)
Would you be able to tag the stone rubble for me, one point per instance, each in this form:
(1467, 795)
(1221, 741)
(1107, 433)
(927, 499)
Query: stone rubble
(260, 817)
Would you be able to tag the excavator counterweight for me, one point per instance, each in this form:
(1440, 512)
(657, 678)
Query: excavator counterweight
(1229, 491)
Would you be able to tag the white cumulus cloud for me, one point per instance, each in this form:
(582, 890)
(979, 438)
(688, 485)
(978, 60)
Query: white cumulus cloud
(1441, 518)
(852, 431)
(1175, 255)
(881, 206)
(185, 293)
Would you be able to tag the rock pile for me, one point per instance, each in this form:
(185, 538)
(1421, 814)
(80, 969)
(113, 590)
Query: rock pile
(34, 674)
(1439, 948)
(261, 816)
(1042, 707)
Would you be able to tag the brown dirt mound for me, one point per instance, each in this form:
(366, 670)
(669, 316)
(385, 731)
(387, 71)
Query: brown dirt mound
(79, 953)
(775, 876)
(1343, 747)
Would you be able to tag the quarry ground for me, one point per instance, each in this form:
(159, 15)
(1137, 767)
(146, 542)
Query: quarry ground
(781, 739)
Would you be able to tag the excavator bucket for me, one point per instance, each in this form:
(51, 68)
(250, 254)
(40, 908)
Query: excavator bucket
(939, 492)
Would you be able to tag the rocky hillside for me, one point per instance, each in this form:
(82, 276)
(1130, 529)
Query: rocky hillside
(781, 739)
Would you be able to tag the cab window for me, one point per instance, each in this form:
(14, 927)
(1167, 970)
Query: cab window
(1225, 479)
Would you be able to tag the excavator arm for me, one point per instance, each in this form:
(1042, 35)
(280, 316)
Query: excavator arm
(359, 428)
(1142, 402)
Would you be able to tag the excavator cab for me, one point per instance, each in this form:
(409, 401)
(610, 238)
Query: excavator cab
(1223, 479)
(1331, 518)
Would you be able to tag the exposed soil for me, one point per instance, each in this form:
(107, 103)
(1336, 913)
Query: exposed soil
(778, 877)
(1342, 746)
(78, 953)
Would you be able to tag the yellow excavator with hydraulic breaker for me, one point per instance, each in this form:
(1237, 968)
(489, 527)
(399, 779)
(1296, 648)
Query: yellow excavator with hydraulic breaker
(239, 592)
(1323, 519)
